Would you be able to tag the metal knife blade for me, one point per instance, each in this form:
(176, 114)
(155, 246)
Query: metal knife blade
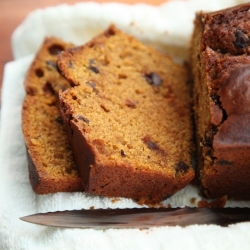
(140, 217)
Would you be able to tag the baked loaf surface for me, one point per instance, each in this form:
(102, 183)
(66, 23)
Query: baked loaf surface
(220, 63)
(51, 164)
(128, 118)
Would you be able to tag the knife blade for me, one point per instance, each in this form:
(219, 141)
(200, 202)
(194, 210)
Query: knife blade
(140, 217)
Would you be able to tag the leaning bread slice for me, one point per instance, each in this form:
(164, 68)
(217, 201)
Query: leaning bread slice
(50, 159)
(128, 118)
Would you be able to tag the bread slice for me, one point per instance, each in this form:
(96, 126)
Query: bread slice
(220, 63)
(128, 118)
(50, 159)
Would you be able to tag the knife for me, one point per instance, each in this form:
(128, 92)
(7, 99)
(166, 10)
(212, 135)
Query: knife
(140, 217)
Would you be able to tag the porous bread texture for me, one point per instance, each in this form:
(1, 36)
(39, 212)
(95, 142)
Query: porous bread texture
(128, 117)
(50, 159)
(220, 63)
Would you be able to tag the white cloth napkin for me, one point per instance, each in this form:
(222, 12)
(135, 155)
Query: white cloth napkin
(169, 24)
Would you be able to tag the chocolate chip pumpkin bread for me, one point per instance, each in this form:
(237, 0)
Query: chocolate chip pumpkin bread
(128, 118)
(220, 62)
(50, 159)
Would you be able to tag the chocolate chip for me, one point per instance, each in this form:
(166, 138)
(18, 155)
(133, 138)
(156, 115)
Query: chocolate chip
(224, 162)
(55, 49)
(51, 64)
(59, 120)
(153, 79)
(74, 97)
(39, 73)
(151, 145)
(70, 64)
(48, 89)
(94, 69)
(130, 104)
(181, 167)
(123, 153)
(241, 39)
(82, 118)
(91, 84)
(105, 108)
